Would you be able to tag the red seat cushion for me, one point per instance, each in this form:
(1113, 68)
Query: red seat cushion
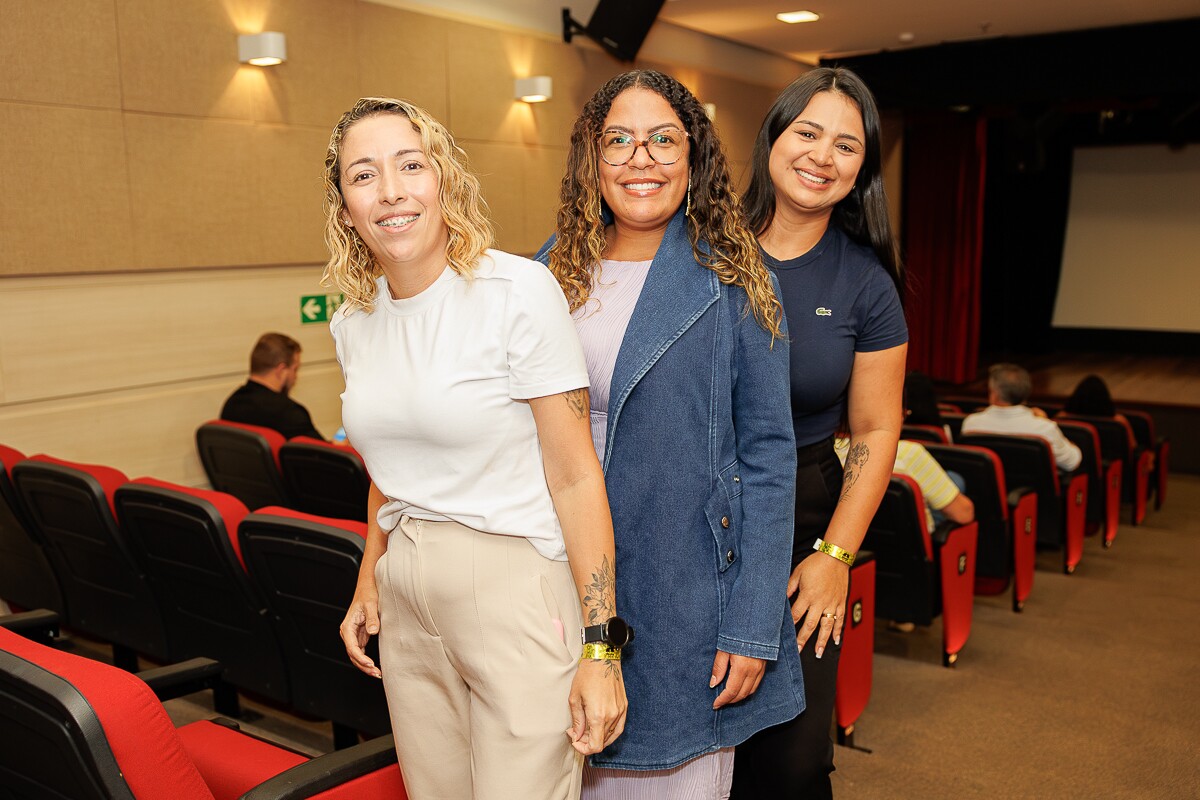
(231, 762)
(139, 732)
(9, 456)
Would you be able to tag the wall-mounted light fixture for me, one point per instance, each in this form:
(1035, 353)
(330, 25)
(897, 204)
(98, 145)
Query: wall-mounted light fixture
(792, 17)
(537, 89)
(262, 49)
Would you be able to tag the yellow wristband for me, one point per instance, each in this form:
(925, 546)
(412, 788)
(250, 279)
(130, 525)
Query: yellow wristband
(833, 550)
(599, 651)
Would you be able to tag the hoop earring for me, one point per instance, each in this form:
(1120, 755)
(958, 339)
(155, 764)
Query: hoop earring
(687, 209)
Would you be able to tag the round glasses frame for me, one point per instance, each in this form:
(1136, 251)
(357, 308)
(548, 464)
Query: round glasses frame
(642, 143)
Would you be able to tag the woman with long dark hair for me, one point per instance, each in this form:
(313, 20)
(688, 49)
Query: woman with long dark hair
(816, 202)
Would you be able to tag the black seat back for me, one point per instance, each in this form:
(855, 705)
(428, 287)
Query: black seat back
(187, 541)
(307, 568)
(983, 477)
(241, 460)
(26, 577)
(1029, 461)
(106, 591)
(904, 567)
(955, 421)
(324, 479)
(924, 433)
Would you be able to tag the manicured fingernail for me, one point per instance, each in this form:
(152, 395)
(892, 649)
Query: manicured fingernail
(713, 682)
(837, 640)
(820, 651)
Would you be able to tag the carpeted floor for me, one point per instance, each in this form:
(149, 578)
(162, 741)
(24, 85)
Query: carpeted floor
(1092, 692)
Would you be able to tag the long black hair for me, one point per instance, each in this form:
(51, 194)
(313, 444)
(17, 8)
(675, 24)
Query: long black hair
(862, 214)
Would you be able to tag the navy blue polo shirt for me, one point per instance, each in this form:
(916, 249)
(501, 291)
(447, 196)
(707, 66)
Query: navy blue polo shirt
(839, 300)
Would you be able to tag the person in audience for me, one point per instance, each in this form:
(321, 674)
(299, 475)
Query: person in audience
(688, 358)
(1009, 386)
(489, 540)
(942, 491)
(816, 202)
(263, 399)
(1091, 398)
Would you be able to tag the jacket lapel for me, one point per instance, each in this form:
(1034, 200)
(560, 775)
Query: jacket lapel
(676, 293)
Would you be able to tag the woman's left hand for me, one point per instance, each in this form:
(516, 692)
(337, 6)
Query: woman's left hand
(745, 674)
(820, 584)
(598, 705)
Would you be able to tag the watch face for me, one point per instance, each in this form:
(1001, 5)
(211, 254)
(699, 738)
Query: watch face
(616, 632)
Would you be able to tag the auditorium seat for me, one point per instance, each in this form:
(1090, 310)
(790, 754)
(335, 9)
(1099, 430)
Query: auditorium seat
(955, 422)
(26, 577)
(857, 660)
(325, 479)
(105, 588)
(307, 568)
(186, 539)
(1117, 442)
(243, 460)
(924, 433)
(949, 408)
(1104, 478)
(80, 729)
(1029, 461)
(1143, 432)
(919, 576)
(1007, 519)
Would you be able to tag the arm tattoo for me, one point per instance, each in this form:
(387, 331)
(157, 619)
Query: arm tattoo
(578, 400)
(600, 601)
(856, 459)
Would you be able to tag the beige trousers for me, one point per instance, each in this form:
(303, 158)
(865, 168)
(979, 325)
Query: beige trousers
(476, 669)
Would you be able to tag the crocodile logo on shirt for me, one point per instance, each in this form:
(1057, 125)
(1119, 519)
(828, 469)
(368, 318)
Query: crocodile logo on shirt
(824, 312)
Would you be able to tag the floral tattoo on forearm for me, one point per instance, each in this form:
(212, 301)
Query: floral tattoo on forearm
(599, 602)
(856, 461)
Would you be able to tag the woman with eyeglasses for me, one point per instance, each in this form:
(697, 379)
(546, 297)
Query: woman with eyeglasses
(687, 357)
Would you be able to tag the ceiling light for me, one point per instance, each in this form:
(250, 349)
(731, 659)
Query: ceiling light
(792, 17)
(262, 49)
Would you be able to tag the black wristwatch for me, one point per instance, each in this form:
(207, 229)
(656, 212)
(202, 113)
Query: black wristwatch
(614, 633)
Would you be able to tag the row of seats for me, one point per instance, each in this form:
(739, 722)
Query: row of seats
(261, 468)
(76, 728)
(171, 573)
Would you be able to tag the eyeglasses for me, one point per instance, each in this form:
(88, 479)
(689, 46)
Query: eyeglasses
(664, 147)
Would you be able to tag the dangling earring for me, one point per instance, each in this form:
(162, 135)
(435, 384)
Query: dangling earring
(687, 210)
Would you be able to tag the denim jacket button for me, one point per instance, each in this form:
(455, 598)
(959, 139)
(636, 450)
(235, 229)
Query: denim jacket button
(724, 522)
(729, 556)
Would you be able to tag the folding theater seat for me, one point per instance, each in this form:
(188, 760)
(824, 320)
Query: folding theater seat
(1143, 432)
(954, 421)
(1029, 461)
(105, 589)
(325, 479)
(26, 576)
(1104, 479)
(919, 576)
(243, 460)
(79, 729)
(307, 568)
(186, 540)
(1007, 519)
(1117, 442)
(949, 407)
(924, 433)
(857, 660)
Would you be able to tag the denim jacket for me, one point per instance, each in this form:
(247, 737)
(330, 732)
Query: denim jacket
(700, 467)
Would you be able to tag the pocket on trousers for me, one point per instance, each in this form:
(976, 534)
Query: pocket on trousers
(555, 623)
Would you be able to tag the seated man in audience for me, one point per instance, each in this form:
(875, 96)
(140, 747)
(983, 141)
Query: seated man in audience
(1009, 387)
(263, 400)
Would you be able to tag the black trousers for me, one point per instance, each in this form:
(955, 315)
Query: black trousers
(794, 760)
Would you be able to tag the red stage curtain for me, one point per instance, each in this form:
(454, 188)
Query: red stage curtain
(944, 178)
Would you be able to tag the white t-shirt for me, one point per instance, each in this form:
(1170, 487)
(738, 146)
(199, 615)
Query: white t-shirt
(1022, 420)
(434, 396)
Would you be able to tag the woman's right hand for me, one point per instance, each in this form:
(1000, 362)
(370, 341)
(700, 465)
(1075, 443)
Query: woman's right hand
(598, 705)
(360, 624)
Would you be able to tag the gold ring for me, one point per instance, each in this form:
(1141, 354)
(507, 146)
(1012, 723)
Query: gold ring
(831, 616)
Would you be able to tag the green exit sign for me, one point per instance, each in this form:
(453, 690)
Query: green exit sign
(319, 307)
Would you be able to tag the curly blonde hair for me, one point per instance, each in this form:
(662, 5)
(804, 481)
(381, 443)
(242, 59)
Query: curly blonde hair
(352, 267)
(720, 237)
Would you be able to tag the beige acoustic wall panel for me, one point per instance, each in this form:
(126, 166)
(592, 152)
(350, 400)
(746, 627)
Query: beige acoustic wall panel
(288, 168)
(64, 204)
(66, 336)
(151, 430)
(521, 186)
(401, 54)
(59, 51)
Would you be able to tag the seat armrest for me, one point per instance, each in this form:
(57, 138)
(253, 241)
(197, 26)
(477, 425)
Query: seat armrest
(40, 625)
(184, 678)
(328, 771)
(1016, 495)
(943, 530)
